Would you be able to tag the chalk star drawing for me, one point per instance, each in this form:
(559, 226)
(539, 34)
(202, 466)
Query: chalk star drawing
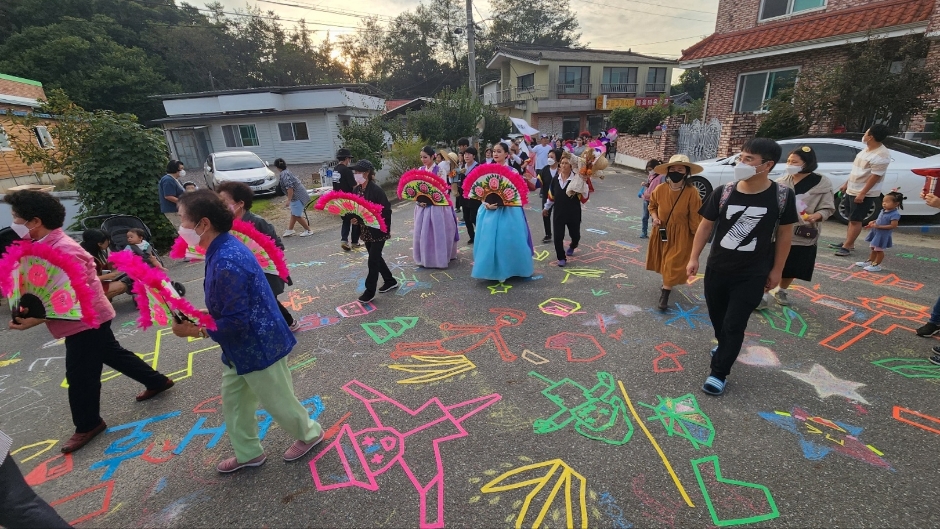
(682, 416)
(819, 437)
(571, 485)
(499, 288)
(691, 316)
(434, 368)
(453, 345)
(597, 413)
(443, 423)
(827, 384)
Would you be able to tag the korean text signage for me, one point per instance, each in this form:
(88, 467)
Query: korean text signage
(606, 103)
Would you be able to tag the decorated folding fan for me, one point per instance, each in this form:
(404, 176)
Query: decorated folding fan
(157, 300)
(420, 183)
(342, 203)
(181, 250)
(42, 282)
(494, 179)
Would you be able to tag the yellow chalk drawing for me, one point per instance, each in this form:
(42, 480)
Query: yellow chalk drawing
(675, 478)
(153, 358)
(535, 358)
(434, 367)
(49, 443)
(564, 476)
(4, 363)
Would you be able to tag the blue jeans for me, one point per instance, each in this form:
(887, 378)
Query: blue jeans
(646, 215)
(935, 313)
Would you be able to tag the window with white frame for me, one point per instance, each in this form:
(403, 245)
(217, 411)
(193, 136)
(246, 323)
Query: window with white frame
(296, 131)
(756, 88)
(43, 137)
(4, 140)
(240, 136)
(779, 8)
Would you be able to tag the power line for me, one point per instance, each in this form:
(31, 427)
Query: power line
(348, 13)
(673, 7)
(644, 12)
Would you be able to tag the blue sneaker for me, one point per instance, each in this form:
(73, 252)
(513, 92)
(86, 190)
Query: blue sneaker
(562, 262)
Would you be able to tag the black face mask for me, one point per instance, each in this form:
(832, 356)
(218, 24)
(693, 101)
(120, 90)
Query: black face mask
(675, 176)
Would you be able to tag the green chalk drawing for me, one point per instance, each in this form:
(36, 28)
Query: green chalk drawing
(682, 416)
(597, 413)
(711, 507)
(910, 367)
(786, 320)
(403, 323)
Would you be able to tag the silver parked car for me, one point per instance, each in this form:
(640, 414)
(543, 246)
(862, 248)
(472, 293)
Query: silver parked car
(239, 166)
(835, 154)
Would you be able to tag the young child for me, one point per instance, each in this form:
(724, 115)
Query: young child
(189, 186)
(881, 228)
(135, 238)
(646, 189)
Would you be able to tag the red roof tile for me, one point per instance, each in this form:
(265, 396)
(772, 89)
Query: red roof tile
(858, 19)
(392, 104)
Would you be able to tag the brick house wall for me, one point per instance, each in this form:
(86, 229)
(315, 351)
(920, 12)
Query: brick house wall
(735, 16)
(635, 151)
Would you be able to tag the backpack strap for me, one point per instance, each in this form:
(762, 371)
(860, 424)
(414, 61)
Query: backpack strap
(722, 202)
(782, 194)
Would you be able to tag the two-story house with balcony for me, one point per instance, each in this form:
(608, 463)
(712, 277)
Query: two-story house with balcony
(19, 97)
(760, 47)
(564, 90)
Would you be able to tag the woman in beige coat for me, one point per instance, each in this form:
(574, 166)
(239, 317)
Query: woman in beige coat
(815, 202)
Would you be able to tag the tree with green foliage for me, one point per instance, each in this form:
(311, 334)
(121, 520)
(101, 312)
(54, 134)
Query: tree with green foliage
(692, 82)
(365, 139)
(451, 115)
(534, 22)
(496, 126)
(782, 120)
(639, 120)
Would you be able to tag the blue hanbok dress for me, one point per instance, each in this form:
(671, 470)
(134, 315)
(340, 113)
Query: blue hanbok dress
(503, 245)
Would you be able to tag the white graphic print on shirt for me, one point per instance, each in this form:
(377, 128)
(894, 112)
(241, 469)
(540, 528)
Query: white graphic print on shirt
(741, 236)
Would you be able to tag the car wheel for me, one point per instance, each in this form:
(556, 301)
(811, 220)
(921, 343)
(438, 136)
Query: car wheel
(842, 212)
(702, 185)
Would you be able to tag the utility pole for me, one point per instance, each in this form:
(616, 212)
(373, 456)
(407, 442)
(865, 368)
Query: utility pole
(471, 56)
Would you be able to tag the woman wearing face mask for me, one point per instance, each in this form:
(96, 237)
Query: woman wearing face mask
(238, 198)
(545, 175)
(96, 243)
(504, 245)
(39, 216)
(374, 238)
(674, 209)
(254, 338)
(814, 198)
(435, 232)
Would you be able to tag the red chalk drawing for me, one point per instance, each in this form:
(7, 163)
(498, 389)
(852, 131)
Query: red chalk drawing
(451, 345)
(579, 347)
(671, 352)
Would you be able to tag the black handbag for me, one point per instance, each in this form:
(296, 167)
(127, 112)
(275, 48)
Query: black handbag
(806, 232)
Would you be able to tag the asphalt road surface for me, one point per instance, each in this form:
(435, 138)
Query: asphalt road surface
(564, 399)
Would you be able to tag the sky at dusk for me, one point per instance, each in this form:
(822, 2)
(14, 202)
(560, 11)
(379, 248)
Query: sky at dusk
(651, 27)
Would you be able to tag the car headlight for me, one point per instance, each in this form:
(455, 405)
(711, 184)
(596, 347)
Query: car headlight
(270, 175)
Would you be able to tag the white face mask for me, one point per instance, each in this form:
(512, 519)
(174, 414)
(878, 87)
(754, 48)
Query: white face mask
(190, 236)
(794, 169)
(20, 230)
(182, 173)
(360, 178)
(233, 208)
(742, 171)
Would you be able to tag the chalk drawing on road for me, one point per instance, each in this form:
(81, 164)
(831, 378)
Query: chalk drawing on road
(682, 417)
(851, 273)
(107, 487)
(535, 358)
(499, 288)
(456, 343)
(785, 319)
(561, 307)
(365, 454)
(668, 352)
(759, 356)
(903, 414)
(597, 413)
(315, 321)
(47, 445)
(49, 470)
(356, 308)
(827, 384)
(711, 482)
(613, 511)
(385, 330)
(46, 363)
(910, 367)
(434, 368)
(568, 492)
(628, 310)
(296, 299)
(578, 347)
(541, 255)
(690, 316)
(588, 273)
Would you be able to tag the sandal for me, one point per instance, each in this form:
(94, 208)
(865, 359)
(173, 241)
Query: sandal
(714, 386)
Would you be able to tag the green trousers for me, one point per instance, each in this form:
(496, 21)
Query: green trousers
(274, 390)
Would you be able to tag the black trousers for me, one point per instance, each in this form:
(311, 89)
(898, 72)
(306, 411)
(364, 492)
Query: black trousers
(285, 313)
(562, 220)
(376, 266)
(470, 208)
(547, 221)
(20, 506)
(347, 227)
(730, 299)
(85, 354)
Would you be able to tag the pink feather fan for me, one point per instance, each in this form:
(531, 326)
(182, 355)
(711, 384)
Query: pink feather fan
(342, 203)
(494, 179)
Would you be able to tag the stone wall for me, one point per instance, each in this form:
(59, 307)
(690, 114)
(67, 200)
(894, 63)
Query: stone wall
(635, 151)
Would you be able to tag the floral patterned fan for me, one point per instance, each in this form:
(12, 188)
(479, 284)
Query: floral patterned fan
(42, 282)
(181, 250)
(157, 300)
(420, 183)
(495, 179)
(269, 256)
(342, 203)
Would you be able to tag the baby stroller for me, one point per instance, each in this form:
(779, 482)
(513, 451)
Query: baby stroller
(116, 226)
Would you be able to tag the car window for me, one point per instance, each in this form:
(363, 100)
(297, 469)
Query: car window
(834, 153)
(238, 162)
(911, 148)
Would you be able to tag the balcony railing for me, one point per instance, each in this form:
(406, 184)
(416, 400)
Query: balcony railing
(577, 89)
(655, 88)
(514, 95)
(618, 88)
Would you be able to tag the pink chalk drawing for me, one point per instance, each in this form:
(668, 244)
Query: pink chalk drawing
(377, 449)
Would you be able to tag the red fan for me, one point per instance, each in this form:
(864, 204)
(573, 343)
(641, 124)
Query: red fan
(157, 300)
(42, 282)
(499, 180)
(419, 183)
(342, 203)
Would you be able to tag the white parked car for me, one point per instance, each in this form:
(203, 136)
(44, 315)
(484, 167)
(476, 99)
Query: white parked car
(239, 166)
(835, 154)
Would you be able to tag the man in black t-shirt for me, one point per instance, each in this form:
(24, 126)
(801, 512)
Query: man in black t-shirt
(752, 236)
(346, 183)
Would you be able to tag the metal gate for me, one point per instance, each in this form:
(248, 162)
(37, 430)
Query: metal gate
(699, 141)
(192, 145)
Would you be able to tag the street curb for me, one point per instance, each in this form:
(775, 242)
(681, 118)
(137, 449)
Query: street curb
(922, 229)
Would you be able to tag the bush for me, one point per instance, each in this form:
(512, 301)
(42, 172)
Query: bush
(404, 156)
(637, 120)
(496, 128)
(365, 140)
(783, 121)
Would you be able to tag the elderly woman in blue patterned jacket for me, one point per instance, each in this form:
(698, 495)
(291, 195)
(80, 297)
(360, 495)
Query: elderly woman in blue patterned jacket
(254, 338)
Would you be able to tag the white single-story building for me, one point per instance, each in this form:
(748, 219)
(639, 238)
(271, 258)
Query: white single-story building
(299, 123)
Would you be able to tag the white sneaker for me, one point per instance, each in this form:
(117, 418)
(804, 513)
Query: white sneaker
(764, 302)
(781, 297)
(873, 268)
(863, 264)
(306, 233)
(288, 233)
